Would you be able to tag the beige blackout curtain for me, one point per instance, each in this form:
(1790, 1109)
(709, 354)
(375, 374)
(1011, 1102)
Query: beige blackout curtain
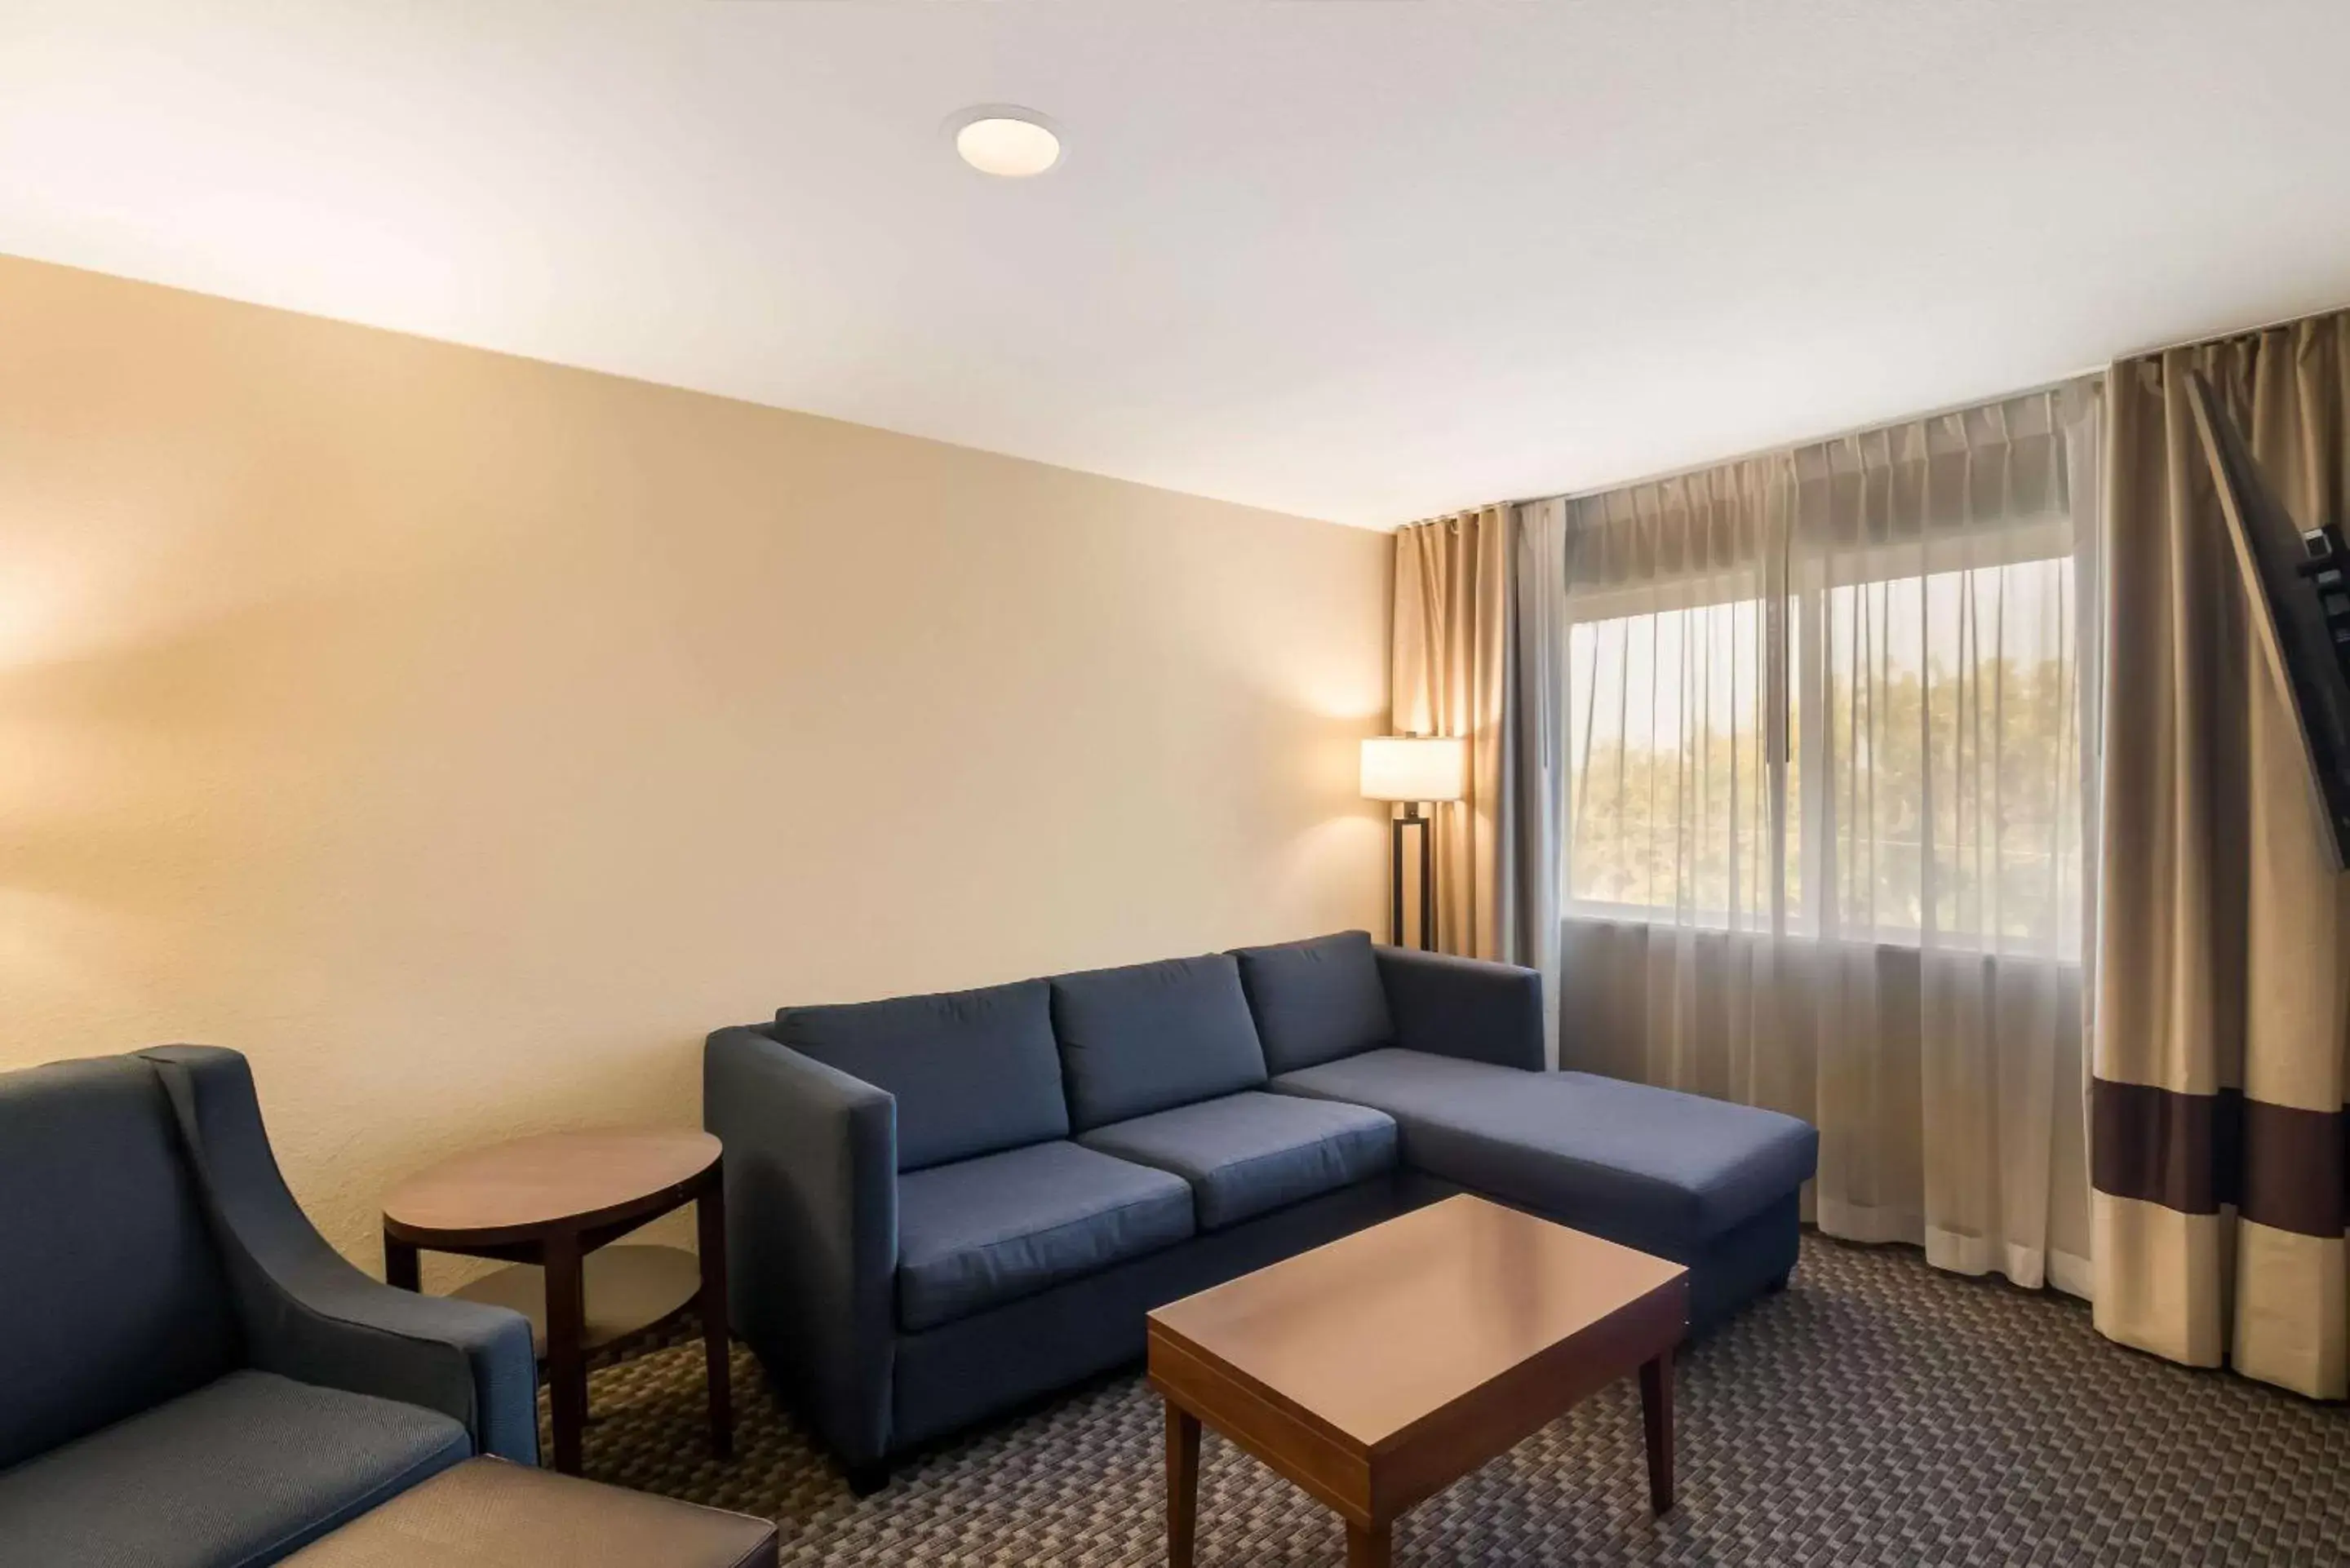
(1449, 676)
(2222, 1035)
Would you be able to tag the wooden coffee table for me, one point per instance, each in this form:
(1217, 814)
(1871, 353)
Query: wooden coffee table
(1378, 1370)
(551, 1201)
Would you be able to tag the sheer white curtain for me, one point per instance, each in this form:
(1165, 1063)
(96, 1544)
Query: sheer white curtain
(1825, 811)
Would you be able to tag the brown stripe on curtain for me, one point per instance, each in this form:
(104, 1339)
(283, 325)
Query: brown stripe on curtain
(2295, 1169)
(2278, 1165)
(2162, 1146)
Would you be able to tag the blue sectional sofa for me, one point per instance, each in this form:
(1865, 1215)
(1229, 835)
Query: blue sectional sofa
(939, 1207)
(189, 1374)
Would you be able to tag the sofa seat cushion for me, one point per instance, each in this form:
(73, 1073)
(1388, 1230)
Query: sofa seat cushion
(985, 1231)
(240, 1472)
(1246, 1154)
(1315, 1001)
(1151, 1036)
(972, 1071)
(1650, 1167)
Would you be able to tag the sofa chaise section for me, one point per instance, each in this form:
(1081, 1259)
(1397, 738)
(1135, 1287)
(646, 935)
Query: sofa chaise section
(1459, 1066)
(1703, 1183)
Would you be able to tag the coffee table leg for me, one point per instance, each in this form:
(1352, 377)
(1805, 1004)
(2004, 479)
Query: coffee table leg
(710, 1218)
(1182, 1484)
(1656, 1416)
(566, 1364)
(1370, 1545)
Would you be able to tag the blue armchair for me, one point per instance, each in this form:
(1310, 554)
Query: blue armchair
(193, 1375)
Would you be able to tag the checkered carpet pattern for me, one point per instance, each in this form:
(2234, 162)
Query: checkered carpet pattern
(1877, 1412)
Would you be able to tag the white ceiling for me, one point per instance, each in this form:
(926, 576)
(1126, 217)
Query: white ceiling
(1361, 259)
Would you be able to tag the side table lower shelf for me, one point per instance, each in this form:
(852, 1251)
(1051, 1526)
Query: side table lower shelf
(630, 1289)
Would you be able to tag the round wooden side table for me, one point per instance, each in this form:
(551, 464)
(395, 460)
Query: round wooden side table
(551, 1201)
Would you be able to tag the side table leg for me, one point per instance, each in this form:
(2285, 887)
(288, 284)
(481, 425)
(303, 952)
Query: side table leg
(400, 1267)
(1656, 1416)
(1370, 1545)
(710, 1219)
(566, 1363)
(1182, 1484)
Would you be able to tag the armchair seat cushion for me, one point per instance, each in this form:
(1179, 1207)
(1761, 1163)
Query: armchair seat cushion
(1246, 1154)
(240, 1472)
(1653, 1168)
(981, 1232)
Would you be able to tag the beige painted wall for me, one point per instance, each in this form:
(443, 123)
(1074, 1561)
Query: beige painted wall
(462, 737)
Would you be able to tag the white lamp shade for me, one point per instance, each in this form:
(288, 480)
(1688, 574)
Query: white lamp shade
(1415, 767)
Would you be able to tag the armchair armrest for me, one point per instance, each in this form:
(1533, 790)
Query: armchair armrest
(1464, 1007)
(811, 1229)
(307, 1312)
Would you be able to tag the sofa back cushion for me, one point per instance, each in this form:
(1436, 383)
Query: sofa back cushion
(113, 1299)
(1150, 1036)
(1315, 1001)
(973, 1071)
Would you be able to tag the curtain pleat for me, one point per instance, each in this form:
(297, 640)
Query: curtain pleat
(2222, 1018)
(1534, 729)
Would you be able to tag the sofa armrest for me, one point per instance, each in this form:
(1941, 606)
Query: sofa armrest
(1464, 1007)
(811, 1230)
(307, 1312)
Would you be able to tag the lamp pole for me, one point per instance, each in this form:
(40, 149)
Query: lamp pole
(1412, 817)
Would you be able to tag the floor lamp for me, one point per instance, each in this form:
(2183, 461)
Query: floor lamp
(1414, 770)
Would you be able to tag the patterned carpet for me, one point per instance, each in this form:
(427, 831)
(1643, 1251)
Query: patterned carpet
(1877, 1412)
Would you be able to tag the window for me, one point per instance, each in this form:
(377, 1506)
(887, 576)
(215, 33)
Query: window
(1891, 751)
(1669, 741)
(1949, 757)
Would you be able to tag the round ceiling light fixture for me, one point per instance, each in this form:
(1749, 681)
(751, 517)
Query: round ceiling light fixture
(1008, 142)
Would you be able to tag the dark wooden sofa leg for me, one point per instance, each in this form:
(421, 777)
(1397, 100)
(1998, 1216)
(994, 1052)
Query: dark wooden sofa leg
(864, 1481)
